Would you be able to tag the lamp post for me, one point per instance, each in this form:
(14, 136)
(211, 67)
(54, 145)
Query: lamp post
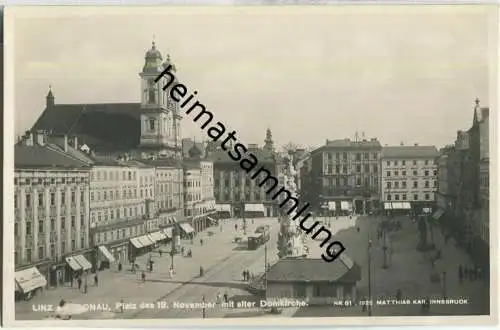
(384, 248)
(173, 247)
(242, 210)
(204, 312)
(369, 278)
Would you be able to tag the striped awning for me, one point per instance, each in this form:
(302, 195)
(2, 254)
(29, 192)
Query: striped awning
(145, 240)
(71, 261)
(83, 262)
(105, 252)
(168, 232)
(136, 243)
(187, 228)
(30, 279)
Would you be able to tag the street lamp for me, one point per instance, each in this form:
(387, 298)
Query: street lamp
(384, 247)
(173, 247)
(369, 278)
(204, 312)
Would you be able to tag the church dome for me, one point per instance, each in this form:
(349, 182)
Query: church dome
(194, 152)
(153, 53)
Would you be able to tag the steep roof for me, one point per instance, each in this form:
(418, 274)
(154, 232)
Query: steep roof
(315, 270)
(105, 126)
(410, 152)
(43, 156)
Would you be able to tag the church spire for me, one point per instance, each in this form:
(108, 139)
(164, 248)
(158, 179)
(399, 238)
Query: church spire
(268, 142)
(49, 98)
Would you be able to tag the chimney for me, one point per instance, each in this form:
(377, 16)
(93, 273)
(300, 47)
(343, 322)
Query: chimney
(75, 142)
(65, 143)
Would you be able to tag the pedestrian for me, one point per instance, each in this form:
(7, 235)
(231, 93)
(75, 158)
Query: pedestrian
(79, 281)
(120, 266)
(96, 280)
(85, 286)
(218, 300)
(201, 241)
(143, 277)
(121, 305)
(244, 275)
(358, 229)
(171, 272)
(160, 252)
(226, 297)
(236, 227)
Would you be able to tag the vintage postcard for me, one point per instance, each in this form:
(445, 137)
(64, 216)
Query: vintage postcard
(250, 165)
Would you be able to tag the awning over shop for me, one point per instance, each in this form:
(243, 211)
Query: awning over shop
(254, 207)
(397, 206)
(73, 263)
(212, 220)
(105, 252)
(136, 243)
(223, 207)
(145, 240)
(158, 236)
(173, 219)
(387, 206)
(332, 206)
(345, 206)
(187, 228)
(406, 205)
(438, 214)
(83, 262)
(168, 232)
(30, 279)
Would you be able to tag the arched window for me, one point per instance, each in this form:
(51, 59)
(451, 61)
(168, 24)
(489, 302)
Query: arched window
(151, 91)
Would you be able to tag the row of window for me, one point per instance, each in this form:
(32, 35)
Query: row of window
(41, 225)
(29, 257)
(397, 197)
(357, 156)
(413, 162)
(111, 214)
(117, 194)
(357, 169)
(46, 181)
(344, 181)
(117, 234)
(223, 197)
(415, 173)
(395, 184)
(193, 197)
(190, 184)
(41, 200)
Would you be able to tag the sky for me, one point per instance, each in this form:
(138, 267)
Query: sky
(399, 73)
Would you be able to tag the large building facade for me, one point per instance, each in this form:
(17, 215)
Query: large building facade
(409, 178)
(344, 175)
(233, 187)
(51, 212)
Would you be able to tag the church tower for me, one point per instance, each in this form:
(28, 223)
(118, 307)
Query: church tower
(160, 119)
(268, 142)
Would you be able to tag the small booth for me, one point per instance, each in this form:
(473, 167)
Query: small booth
(28, 282)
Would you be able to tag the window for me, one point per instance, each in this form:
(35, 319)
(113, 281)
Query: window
(358, 181)
(82, 197)
(73, 245)
(403, 162)
(367, 168)
(28, 255)
(344, 155)
(358, 168)
(435, 184)
(40, 226)
(415, 173)
(52, 251)
(63, 198)
(388, 163)
(388, 173)
(40, 199)
(375, 168)
(63, 223)
(28, 228)
(395, 163)
(403, 197)
(337, 169)
(63, 247)
(403, 184)
(415, 184)
(358, 156)
(389, 185)
(426, 173)
(426, 162)
(52, 224)
(52, 199)
(73, 221)
(414, 162)
(396, 197)
(40, 252)
(435, 172)
(415, 197)
(366, 156)
(15, 201)
(73, 197)
(151, 124)
(28, 200)
(396, 184)
(151, 92)
(427, 197)
(403, 173)
(426, 184)
(396, 173)
(389, 197)
(82, 243)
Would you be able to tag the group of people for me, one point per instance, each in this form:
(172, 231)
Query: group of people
(79, 281)
(219, 298)
(247, 275)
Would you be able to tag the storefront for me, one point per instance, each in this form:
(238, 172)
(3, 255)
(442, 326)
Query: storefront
(159, 237)
(345, 207)
(28, 281)
(397, 208)
(104, 257)
(223, 211)
(119, 250)
(187, 231)
(139, 246)
(76, 266)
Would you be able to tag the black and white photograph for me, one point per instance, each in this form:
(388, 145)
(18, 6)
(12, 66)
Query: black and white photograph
(250, 165)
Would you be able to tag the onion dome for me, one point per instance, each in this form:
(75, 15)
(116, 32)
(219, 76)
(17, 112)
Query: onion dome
(194, 152)
(153, 60)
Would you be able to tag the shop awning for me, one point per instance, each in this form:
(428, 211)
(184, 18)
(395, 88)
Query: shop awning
(212, 220)
(173, 219)
(397, 206)
(83, 261)
(168, 232)
(136, 243)
(73, 263)
(254, 207)
(223, 207)
(332, 206)
(187, 228)
(387, 206)
(30, 279)
(438, 214)
(145, 240)
(158, 236)
(406, 205)
(105, 252)
(345, 206)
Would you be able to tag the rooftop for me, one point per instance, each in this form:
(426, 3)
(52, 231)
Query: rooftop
(43, 156)
(410, 152)
(223, 156)
(315, 270)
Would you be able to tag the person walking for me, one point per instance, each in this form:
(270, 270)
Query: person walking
(85, 286)
(96, 280)
(218, 300)
(201, 241)
(171, 272)
(143, 277)
(226, 297)
(79, 281)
